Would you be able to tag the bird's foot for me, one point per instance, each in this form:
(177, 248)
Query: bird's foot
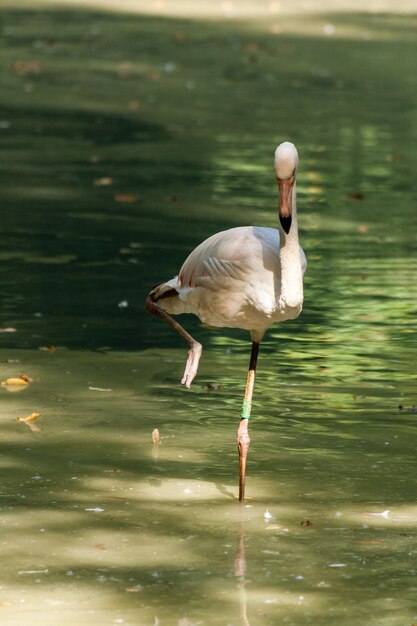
(191, 366)
(243, 441)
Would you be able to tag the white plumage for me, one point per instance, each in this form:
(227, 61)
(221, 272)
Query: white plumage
(234, 279)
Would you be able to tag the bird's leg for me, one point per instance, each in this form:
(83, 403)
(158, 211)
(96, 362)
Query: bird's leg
(243, 439)
(196, 348)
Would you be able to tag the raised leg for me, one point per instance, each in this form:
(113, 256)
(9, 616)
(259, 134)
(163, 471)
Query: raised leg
(243, 439)
(196, 348)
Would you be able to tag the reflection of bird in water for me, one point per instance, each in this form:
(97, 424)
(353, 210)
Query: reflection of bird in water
(240, 572)
(247, 277)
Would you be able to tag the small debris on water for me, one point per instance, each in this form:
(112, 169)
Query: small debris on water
(213, 386)
(384, 514)
(267, 516)
(155, 436)
(306, 523)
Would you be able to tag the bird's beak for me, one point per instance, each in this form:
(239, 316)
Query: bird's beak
(285, 202)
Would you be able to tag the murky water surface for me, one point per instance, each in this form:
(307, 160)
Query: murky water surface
(125, 141)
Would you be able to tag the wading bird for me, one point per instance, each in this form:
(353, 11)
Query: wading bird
(247, 277)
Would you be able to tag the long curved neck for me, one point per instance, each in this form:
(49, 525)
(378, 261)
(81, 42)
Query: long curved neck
(290, 260)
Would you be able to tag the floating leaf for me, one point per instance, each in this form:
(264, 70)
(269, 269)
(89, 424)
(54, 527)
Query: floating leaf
(29, 421)
(135, 589)
(30, 418)
(106, 181)
(26, 67)
(48, 348)
(153, 75)
(355, 195)
(19, 382)
(133, 105)
(14, 381)
(126, 198)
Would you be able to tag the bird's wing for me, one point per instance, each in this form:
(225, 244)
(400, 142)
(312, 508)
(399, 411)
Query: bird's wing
(217, 260)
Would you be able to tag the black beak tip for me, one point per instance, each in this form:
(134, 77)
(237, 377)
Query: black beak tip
(285, 223)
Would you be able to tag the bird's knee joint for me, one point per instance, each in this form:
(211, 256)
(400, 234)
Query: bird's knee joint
(196, 347)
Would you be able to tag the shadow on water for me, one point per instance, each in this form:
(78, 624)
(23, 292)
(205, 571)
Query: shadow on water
(125, 141)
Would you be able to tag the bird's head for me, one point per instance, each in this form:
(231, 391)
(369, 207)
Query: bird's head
(286, 161)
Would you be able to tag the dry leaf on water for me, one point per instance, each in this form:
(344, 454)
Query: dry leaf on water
(29, 418)
(133, 105)
(106, 181)
(17, 383)
(155, 436)
(126, 198)
(48, 348)
(29, 421)
(14, 381)
(26, 67)
(355, 195)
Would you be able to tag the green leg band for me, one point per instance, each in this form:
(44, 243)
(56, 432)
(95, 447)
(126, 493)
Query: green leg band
(246, 409)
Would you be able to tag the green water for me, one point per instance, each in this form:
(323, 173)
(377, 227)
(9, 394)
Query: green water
(125, 141)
